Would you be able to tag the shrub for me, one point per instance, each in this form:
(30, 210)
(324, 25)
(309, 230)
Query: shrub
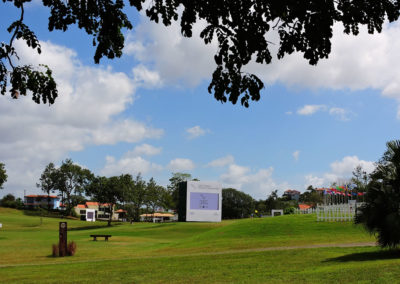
(55, 250)
(289, 210)
(71, 248)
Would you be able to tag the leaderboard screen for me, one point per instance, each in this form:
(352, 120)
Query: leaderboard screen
(204, 201)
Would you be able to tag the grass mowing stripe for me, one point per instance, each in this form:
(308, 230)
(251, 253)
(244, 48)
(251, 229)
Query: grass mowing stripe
(201, 254)
(321, 265)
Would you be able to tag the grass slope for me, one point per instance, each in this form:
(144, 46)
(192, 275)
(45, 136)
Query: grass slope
(192, 252)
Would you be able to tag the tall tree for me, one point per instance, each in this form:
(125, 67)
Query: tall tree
(380, 214)
(47, 182)
(3, 175)
(236, 204)
(136, 195)
(360, 178)
(242, 29)
(70, 180)
(173, 186)
(107, 191)
(154, 195)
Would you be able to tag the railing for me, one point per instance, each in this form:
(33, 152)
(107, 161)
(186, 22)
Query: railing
(337, 212)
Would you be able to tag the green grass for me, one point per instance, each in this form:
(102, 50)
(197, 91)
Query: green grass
(230, 251)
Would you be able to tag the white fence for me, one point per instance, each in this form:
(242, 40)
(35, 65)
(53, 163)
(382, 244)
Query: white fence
(305, 211)
(338, 212)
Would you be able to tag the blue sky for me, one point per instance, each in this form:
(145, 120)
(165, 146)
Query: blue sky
(150, 111)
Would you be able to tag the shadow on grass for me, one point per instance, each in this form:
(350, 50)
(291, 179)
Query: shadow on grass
(367, 256)
(92, 227)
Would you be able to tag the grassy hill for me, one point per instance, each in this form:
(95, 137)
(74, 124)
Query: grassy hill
(269, 250)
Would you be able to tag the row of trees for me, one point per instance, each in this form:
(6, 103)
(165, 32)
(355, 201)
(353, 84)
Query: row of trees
(75, 184)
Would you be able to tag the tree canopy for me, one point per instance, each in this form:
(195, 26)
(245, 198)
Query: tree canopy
(242, 29)
(380, 214)
(3, 175)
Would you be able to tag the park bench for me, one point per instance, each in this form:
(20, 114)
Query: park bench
(100, 236)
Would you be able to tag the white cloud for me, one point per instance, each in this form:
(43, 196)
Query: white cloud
(146, 78)
(356, 62)
(310, 109)
(339, 113)
(176, 59)
(340, 171)
(258, 184)
(146, 149)
(84, 114)
(296, 155)
(222, 162)
(180, 164)
(129, 164)
(195, 132)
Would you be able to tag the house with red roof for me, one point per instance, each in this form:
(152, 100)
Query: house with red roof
(102, 210)
(43, 201)
(292, 194)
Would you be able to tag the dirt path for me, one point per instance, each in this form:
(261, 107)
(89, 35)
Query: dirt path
(346, 245)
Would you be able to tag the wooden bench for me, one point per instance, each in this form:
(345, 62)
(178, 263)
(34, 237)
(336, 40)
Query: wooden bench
(100, 236)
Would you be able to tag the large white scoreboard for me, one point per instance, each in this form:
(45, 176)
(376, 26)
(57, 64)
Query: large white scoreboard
(203, 201)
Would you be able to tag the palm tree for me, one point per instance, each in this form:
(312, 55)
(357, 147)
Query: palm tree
(381, 212)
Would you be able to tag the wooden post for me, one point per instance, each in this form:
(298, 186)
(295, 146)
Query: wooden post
(62, 245)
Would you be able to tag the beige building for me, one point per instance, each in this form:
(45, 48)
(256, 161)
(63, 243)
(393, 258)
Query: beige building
(102, 211)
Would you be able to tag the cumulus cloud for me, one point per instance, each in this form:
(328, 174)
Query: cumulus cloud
(222, 162)
(337, 112)
(90, 98)
(181, 164)
(176, 59)
(129, 164)
(356, 62)
(310, 109)
(146, 149)
(146, 78)
(195, 132)
(340, 171)
(259, 184)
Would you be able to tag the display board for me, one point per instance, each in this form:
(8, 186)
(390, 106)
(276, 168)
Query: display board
(90, 215)
(203, 201)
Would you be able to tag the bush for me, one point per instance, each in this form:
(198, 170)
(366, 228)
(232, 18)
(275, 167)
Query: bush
(289, 210)
(55, 250)
(71, 248)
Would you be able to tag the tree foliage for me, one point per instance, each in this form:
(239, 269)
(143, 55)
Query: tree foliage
(236, 204)
(242, 29)
(311, 197)
(381, 213)
(47, 182)
(107, 191)
(173, 187)
(70, 180)
(3, 175)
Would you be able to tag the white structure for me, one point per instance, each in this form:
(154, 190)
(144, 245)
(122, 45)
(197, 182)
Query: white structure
(90, 215)
(338, 212)
(273, 211)
(203, 201)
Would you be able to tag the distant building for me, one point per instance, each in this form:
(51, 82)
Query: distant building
(158, 217)
(35, 201)
(292, 194)
(304, 207)
(102, 211)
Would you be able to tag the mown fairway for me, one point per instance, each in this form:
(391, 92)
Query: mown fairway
(270, 250)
